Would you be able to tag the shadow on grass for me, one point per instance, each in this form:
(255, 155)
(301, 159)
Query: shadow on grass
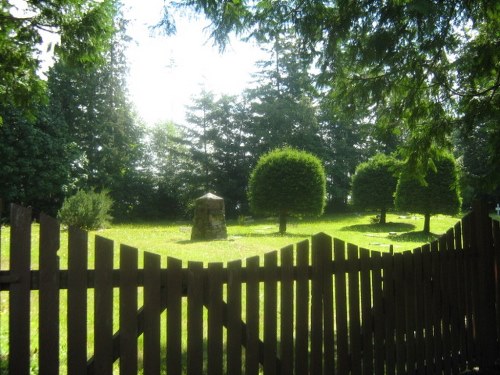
(379, 228)
(248, 235)
(414, 237)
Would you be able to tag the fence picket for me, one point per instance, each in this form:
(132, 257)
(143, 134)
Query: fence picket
(234, 334)
(378, 312)
(19, 293)
(366, 312)
(214, 359)
(436, 303)
(302, 309)
(341, 306)
(419, 312)
(325, 243)
(152, 311)
(409, 311)
(399, 313)
(49, 296)
(174, 315)
(270, 316)
(77, 301)
(103, 306)
(496, 242)
(316, 361)
(354, 309)
(128, 310)
(390, 356)
(252, 353)
(286, 302)
(428, 309)
(195, 292)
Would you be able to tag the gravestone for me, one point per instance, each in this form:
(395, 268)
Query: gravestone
(209, 218)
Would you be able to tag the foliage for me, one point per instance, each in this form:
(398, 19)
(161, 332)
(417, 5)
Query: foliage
(413, 69)
(440, 194)
(87, 210)
(287, 182)
(374, 184)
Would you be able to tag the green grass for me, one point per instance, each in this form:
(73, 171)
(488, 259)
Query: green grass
(261, 236)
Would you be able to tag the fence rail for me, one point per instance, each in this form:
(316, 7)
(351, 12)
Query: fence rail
(321, 306)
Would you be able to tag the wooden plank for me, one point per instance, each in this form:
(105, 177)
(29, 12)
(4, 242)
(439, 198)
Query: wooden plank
(214, 360)
(445, 305)
(286, 295)
(379, 315)
(328, 305)
(366, 312)
(388, 264)
(453, 298)
(195, 318)
(19, 292)
(400, 313)
(436, 303)
(152, 312)
(103, 306)
(354, 310)
(77, 300)
(419, 319)
(316, 359)
(270, 312)
(48, 336)
(428, 309)
(128, 310)
(409, 304)
(252, 316)
(496, 241)
(234, 336)
(462, 298)
(302, 309)
(341, 306)
(174, 315)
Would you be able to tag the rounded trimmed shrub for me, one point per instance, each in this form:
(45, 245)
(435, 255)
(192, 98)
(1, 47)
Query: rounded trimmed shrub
(86, 210)
(287, 182)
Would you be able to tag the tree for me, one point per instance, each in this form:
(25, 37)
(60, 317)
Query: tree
(287, 182)
(418, 68)
(374, 184)
(438, 194)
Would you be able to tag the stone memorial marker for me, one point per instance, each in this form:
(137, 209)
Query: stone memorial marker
(209, 218)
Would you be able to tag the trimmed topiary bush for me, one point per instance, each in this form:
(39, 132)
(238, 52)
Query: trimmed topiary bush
(440, 194)
(287, 182)
(86, 210)
(374, 184)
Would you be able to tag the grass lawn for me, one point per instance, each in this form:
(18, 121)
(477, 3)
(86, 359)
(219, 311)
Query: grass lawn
(261, 236)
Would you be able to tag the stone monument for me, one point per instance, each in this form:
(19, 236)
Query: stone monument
(209, 218)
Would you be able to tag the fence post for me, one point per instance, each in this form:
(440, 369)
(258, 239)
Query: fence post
(486, 309)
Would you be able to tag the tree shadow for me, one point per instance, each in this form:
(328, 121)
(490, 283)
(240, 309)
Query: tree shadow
(419, 236)
(380, 228)
(248, 235)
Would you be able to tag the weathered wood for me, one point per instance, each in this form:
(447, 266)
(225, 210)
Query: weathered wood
(366, 312)
(390, 354)
(77, 300)
(174, 315)
(379, 315)
(252, 317)
(316, 360)
(215, 351)
(128, 310)
(341, 306)
(270, 309)
(152, 311)
(19, 293)
(286, 298)
(103, 306)
(399, 290)
(445, 304)
(436, 303)
(419, 319)
(48, 336)
(354, 311)
(409, 303)
(328, 305)
(428, 316)
(234, 333)
(302, 310)
(195, 318)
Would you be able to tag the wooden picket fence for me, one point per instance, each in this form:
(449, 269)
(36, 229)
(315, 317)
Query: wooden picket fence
(319, 307)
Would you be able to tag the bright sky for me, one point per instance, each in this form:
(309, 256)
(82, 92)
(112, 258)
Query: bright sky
(166, 72)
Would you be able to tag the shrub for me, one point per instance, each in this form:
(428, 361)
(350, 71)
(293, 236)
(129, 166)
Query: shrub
(287, 182)
(87, 210)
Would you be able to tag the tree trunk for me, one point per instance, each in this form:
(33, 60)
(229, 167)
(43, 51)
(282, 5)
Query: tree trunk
(383, 215)
(427, 223)
(282, 223)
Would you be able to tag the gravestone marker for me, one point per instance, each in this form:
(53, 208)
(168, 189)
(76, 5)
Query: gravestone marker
(209, 218)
